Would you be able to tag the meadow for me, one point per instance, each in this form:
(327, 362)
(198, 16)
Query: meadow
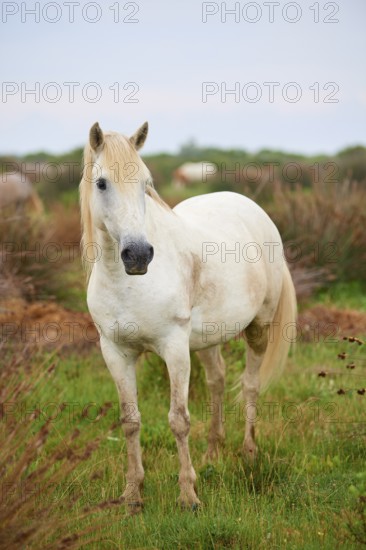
(63, 455)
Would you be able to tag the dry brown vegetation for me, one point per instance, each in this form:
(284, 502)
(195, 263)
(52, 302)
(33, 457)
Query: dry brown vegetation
(37, 252)
(323, 228)
(37, 464)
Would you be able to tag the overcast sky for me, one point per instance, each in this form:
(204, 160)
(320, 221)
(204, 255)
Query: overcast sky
(176, 67)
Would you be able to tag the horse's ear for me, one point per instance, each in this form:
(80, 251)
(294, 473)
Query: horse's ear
(96, 137)
(139, 137)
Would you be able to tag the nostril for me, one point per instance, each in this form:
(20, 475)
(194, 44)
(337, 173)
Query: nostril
(127, 255)
(136, 254)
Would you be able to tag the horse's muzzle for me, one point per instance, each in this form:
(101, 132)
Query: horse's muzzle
(136, 256)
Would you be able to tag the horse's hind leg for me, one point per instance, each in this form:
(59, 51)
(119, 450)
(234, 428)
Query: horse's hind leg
(256, 335)
(214, 365)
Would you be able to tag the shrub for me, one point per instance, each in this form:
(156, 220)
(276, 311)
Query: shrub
(323, 229)
(36, 252)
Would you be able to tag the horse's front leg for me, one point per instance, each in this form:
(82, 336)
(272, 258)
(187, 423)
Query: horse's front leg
(178, 363)
(122, 368)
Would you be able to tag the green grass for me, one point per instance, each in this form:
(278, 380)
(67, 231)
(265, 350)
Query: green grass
(343, 295)
(311, 441)
(72, 294)
(305, 484)
(338, 295)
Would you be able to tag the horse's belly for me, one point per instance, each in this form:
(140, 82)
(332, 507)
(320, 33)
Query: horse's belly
(217, 326)
(227, 305)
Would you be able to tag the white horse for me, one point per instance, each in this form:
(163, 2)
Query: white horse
(216, 268)
(191, 172)
(17, 190)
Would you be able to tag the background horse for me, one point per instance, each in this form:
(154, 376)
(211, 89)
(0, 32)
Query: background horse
(179, 280)
(191, 172)
(17, 190)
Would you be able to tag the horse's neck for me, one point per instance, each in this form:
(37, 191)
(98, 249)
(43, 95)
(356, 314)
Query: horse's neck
(163, 225)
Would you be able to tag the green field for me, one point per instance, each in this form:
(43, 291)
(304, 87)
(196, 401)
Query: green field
(301, 493)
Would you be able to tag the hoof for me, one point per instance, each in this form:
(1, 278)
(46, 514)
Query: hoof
(250, 452)
(211, 456)
(135, 507)
(214, 449)
(186, 505)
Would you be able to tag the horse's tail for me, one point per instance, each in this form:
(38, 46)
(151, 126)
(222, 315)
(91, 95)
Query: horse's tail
(278, 340)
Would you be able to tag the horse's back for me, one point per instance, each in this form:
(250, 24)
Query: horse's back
(230, 214)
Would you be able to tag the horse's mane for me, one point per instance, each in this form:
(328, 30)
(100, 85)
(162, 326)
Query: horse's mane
(117, 152)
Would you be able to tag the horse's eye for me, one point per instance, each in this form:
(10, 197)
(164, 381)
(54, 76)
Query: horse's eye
(102, 184)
